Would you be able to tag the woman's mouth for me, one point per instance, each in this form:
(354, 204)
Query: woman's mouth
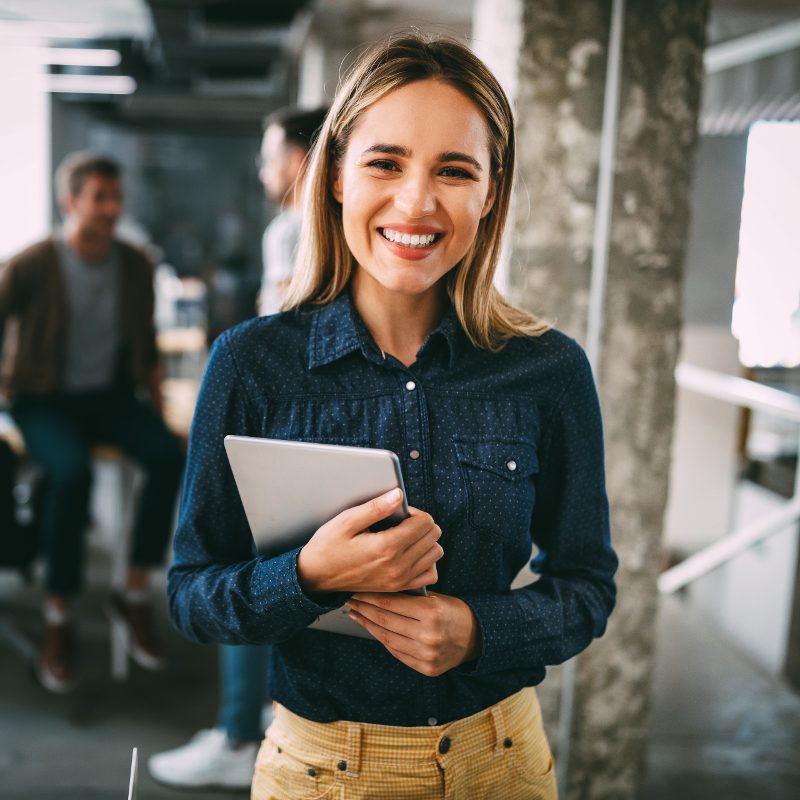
(418, 241)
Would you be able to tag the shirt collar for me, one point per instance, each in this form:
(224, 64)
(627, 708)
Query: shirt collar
(337, 330)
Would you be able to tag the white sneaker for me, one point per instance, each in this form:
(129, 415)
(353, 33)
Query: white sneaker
(207, 760)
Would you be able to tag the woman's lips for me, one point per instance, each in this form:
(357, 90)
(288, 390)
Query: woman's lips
(414, 247)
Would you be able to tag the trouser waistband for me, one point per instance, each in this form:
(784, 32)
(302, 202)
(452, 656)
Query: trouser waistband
(352, 742)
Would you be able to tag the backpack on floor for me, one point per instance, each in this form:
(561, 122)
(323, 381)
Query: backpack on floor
(18, 543)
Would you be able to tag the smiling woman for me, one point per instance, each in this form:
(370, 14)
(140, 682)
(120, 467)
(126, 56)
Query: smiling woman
(393, 336)
(447, 101)
(410, 210)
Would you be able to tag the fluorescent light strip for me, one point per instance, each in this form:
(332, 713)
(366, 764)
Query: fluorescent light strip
(48, 30)
(75, 56)
(89, 84)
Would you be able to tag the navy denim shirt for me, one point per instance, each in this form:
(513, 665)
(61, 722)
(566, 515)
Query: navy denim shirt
(502, 449)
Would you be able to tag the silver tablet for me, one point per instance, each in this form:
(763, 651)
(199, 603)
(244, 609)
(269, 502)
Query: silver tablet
(289, 489)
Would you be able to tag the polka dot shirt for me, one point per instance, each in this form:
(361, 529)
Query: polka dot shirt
(504, 450)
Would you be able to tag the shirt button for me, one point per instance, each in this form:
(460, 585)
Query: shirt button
(511, 465)
(414, 455)
(312, 772)
(432, 721)
(444, 744)
(411, 386)
(342, 765)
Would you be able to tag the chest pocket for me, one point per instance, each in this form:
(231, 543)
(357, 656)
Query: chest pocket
(499, 483)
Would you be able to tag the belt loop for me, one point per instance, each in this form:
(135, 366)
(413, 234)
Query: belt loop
(353, 754)
(498, 718)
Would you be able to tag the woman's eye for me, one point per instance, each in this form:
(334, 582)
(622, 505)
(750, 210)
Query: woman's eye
(388, 166)
(456, 172)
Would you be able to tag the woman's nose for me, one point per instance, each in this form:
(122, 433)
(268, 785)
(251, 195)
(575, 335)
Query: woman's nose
(415, 198)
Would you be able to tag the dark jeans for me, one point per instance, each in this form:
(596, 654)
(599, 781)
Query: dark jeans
(59, 430)
(243, 690)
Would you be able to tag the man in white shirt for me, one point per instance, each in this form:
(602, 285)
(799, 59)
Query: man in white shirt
(288, 134)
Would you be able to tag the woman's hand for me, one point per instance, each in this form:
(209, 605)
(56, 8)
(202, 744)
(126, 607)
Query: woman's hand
(430, 634)
(343, 556)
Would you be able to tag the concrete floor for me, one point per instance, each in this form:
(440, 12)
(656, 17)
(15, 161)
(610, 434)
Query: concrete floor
(80, 744)
(720, 728)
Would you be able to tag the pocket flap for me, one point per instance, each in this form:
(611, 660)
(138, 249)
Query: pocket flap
(510, 459)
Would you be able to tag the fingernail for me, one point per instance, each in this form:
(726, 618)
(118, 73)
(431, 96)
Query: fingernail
(390, 498)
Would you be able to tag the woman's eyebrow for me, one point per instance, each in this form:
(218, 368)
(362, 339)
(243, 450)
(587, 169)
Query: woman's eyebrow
(398, 150)
(389, 149)
(454, 155)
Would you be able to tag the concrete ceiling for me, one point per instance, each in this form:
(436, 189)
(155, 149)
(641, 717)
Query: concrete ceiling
(234, 59)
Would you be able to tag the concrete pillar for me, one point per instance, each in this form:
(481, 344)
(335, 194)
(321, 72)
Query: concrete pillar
(560, 74)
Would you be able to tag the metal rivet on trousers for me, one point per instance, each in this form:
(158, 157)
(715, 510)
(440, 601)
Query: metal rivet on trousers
(511, 465)
(414, 455)
(342, 765)
(444, 744)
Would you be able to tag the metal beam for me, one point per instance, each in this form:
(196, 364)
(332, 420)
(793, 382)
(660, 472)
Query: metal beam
(715, 555)
(752, 46)
(738, 391)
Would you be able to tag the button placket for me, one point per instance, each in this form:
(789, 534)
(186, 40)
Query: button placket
(412, 398)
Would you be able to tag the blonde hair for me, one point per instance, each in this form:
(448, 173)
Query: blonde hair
(324, 261)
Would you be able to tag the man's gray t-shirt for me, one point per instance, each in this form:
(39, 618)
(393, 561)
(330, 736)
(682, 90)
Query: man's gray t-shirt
(93, 332)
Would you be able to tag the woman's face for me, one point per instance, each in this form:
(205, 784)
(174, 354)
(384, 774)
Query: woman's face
(414, 183)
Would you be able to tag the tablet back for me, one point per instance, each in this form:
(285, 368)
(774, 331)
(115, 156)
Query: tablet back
(289, 489)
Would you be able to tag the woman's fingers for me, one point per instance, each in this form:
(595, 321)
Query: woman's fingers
(343, 556)
(386, 620)
(427, 578)
(359, 518)
(425, 549)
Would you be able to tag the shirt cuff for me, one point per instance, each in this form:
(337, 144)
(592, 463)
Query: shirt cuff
(501, 633)
(286, 595)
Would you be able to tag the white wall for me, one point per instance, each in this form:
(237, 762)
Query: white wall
(24, 151)
(750, 597)
(704, 462)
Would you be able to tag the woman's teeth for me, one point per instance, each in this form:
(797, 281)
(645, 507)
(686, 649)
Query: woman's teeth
(408, 239)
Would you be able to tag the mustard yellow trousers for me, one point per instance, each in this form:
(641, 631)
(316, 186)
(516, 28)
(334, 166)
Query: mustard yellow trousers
(500, 753)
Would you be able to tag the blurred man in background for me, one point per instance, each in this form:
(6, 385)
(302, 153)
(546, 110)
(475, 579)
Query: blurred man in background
(225, 756)
(79, 357)
(288, 134)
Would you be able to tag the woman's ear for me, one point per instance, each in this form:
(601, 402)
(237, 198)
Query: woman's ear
(492, 194)
(336, 183)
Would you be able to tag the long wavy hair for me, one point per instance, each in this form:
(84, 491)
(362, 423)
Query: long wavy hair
(324, 262)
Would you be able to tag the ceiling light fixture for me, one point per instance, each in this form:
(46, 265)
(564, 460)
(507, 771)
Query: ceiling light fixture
(89, 84)
(76, 56)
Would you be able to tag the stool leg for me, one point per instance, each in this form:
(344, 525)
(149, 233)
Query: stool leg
(119, 650)
(126, 489)
(122, 495)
